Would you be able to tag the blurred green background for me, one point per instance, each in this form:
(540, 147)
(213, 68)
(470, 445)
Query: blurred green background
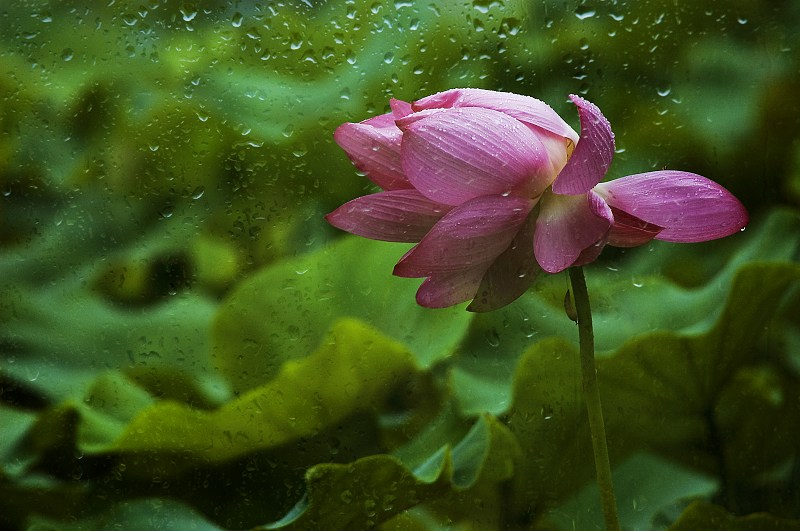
(185, 343)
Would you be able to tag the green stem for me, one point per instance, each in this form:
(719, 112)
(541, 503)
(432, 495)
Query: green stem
(591, 393)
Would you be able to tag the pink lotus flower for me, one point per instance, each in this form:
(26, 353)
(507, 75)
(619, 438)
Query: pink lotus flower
(496, 186)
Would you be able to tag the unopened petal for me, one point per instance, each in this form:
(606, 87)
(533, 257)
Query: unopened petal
(592, 156)
(400, 108)
(375, 150)
(523, 108)
(510, 275)
(689, 207)
(630, 231)
(381, 121)
(395, 216)
(450, 288)
(455, 155)
(567, 225)
(472, 234)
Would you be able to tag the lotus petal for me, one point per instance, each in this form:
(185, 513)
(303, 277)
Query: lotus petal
(689, 207)
(394, 216)
(472, 234)
(592, 157)
(567, 225)
(455, 155)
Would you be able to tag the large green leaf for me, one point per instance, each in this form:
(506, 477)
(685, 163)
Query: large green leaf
(374, 489)
(660, 392)
(647, 487)
(304, 295)
(327, 404)
(60, 332)
(353, 370)
(662, 388)
(155, 513)
(710, 517)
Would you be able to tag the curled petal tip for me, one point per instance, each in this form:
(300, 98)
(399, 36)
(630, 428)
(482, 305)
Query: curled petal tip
(592, 155)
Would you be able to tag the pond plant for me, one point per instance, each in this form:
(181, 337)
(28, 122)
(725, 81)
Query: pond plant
(495, 187)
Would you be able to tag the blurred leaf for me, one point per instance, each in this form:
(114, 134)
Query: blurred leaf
(372, 490)
(662, 388)
(354, 369)
(659, 392)
(155, 513)
(647, 488)
(15, 424)
(302, 296)
(709, 517)
(59, 333)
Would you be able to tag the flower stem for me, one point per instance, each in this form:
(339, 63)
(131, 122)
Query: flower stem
(591, 393)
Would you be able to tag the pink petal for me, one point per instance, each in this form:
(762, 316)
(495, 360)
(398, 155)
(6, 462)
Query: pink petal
(400, 109)
(510, 275)
(523, 108)
(567, 225)
(690, 207)
(471, 234)
(394, 216)
(382, 121)
(591, 253)
(630, 231)
(450, 288)
(455, 155)
(375, 150)
(592, 156)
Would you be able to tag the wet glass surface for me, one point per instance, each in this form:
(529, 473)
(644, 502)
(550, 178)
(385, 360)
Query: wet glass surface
(186, 343)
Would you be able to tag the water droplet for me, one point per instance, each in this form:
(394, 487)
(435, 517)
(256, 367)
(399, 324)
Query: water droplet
(509, 27)
(547, 412)
(481, 6)
(664, 90)
(188, 12)
(584, 12)
(236, 20)
(492, 337)
(388, 58)
(637, 283)
(198, 192)
(67, 54)
(297, 41)
(741, 20)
